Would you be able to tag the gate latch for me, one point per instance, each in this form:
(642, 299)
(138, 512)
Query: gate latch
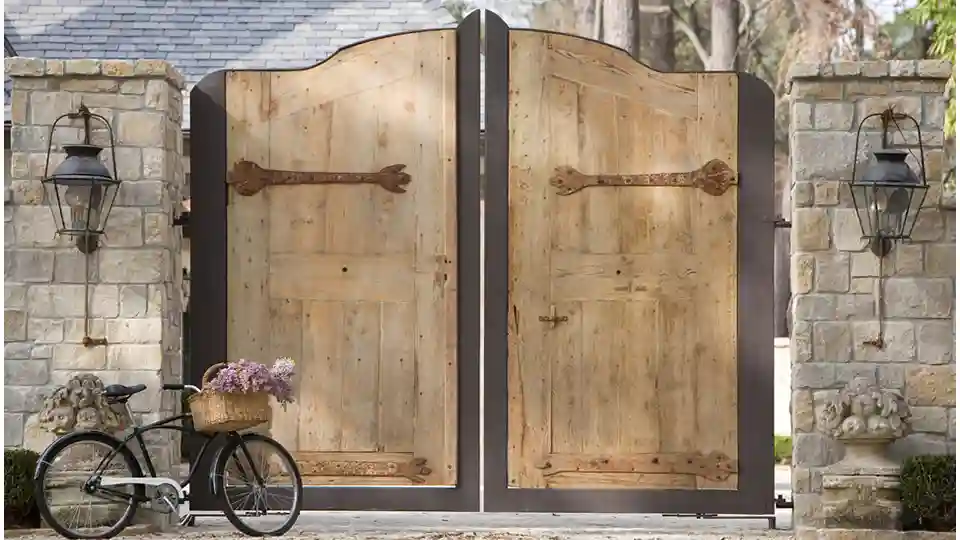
(552, 318)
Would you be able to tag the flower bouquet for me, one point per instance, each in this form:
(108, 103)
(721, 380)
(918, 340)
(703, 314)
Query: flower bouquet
(236, 395)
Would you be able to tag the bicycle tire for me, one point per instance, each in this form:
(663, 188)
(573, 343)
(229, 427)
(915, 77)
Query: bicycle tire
(233, 444)
(60, 445)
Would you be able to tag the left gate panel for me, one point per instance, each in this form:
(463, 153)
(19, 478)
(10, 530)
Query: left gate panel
(342, 252)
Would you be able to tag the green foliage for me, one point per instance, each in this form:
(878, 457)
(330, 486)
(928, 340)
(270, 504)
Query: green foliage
(943, 44)
(782, 449)
(929, 490)
(19, 504)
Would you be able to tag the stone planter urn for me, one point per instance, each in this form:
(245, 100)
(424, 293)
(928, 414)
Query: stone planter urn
(80, 406)
(862, 491)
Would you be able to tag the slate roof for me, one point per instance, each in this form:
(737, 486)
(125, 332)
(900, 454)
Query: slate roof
(201, 36)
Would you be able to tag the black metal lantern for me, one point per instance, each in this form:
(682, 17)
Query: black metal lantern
(888, 196)
(81, 191)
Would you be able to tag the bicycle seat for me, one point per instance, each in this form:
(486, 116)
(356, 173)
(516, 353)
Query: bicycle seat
(120, 391)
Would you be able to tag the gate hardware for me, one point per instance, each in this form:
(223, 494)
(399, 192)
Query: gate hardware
(552, 318)
(714, 466)
(248, 178)
(713, 178)
(781, 223)
(411, 468)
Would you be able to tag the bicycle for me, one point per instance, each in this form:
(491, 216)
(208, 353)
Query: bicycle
(106, 479)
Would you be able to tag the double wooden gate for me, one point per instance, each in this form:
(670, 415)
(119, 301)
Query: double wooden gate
(628, 272)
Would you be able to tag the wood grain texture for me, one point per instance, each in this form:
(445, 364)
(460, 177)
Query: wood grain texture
(353, 281)
(644, 362)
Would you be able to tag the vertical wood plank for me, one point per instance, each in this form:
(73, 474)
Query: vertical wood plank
(248, 310)
(597, 119)
(321, 417)
(397, 376)
(529, 376)
(361, 362)
(716, 245)
(286, 339)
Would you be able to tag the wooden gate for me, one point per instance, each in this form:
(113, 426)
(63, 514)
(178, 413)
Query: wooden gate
(337, 223)
(629, 278)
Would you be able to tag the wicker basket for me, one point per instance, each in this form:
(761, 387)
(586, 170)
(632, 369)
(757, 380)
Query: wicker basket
(218, 412)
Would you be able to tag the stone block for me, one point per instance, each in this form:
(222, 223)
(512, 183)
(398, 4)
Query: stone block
(908, 260)
(814, 375)
(891, 376)
(148, 265)
(801, 115)
(803, 194)
(934, 108)
(157, 229)
(17, 350)
(22, 399)
(936, 342)
(135, 331)
(74, 329)
(76, 357)
(929, 226)
(854, 306)
(46, 107)
(53, 301)
(928, 419)
(832, 342)
(34, 227)
(847, 232)
(93, 85)
(801, 342)
(802, 268)
(919, 298)
(802, 411)
(818, 155)
(27, 192)
(113, 100)
(29, 265)
(935, 69)
(143, 193)
(14, 296)
(826, 193)
(81, 66)
(815, 307)
(940, 260)
(26, 372)
(912, 105)
(117, 68)
(45, 330)
(124, 228)
(919, 444)
(810, 230)
(952, 424)
(833, 116)
(133, 357)
(14, 325)
(12, 429)
(899, 342)
(71, 265)
(931, 386)
(815, 450)
(139, 128)
(824, 90)
(133, 301)
(133, 87)
(860, 88)
(832, 272)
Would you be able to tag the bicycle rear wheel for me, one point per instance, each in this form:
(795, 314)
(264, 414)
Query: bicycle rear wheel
(76, 508)
(259, 485)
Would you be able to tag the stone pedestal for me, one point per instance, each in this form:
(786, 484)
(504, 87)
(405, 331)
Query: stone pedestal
(862, 491)
(80, 406)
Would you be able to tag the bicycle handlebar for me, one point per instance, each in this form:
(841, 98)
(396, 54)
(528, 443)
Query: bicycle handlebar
(180, 387)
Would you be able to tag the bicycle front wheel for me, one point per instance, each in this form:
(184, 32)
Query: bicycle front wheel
(259, 485)
(70, 503)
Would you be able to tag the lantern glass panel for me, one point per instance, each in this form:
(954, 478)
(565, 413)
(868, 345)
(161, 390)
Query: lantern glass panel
(81, 208)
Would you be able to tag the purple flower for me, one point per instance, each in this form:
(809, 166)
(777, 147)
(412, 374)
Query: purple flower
(243, 377)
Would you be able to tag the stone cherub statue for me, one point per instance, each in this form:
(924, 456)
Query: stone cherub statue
(80, 405)
(863, 410)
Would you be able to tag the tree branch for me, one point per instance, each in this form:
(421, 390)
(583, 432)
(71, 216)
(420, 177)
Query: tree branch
(684, 27)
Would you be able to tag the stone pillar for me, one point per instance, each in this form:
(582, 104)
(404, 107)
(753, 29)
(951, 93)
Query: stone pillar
(833, 276)
(135, 276)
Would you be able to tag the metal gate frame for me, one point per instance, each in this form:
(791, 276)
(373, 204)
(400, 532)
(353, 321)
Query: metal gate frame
(755, 327)
(208, 335)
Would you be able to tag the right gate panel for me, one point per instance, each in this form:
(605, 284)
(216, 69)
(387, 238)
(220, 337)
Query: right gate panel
(622, 304)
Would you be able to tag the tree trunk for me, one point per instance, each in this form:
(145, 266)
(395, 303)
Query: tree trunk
(724, 34)
(656, 36)
(620, 25)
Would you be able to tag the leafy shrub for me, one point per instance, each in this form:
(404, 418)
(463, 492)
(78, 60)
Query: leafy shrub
(929, 490)
(782, 449)
(19, 503)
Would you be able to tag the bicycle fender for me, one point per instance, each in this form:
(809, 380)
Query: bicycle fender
(212, 475)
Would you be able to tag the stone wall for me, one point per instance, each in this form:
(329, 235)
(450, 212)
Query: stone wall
(135, 276)
(833, 278)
